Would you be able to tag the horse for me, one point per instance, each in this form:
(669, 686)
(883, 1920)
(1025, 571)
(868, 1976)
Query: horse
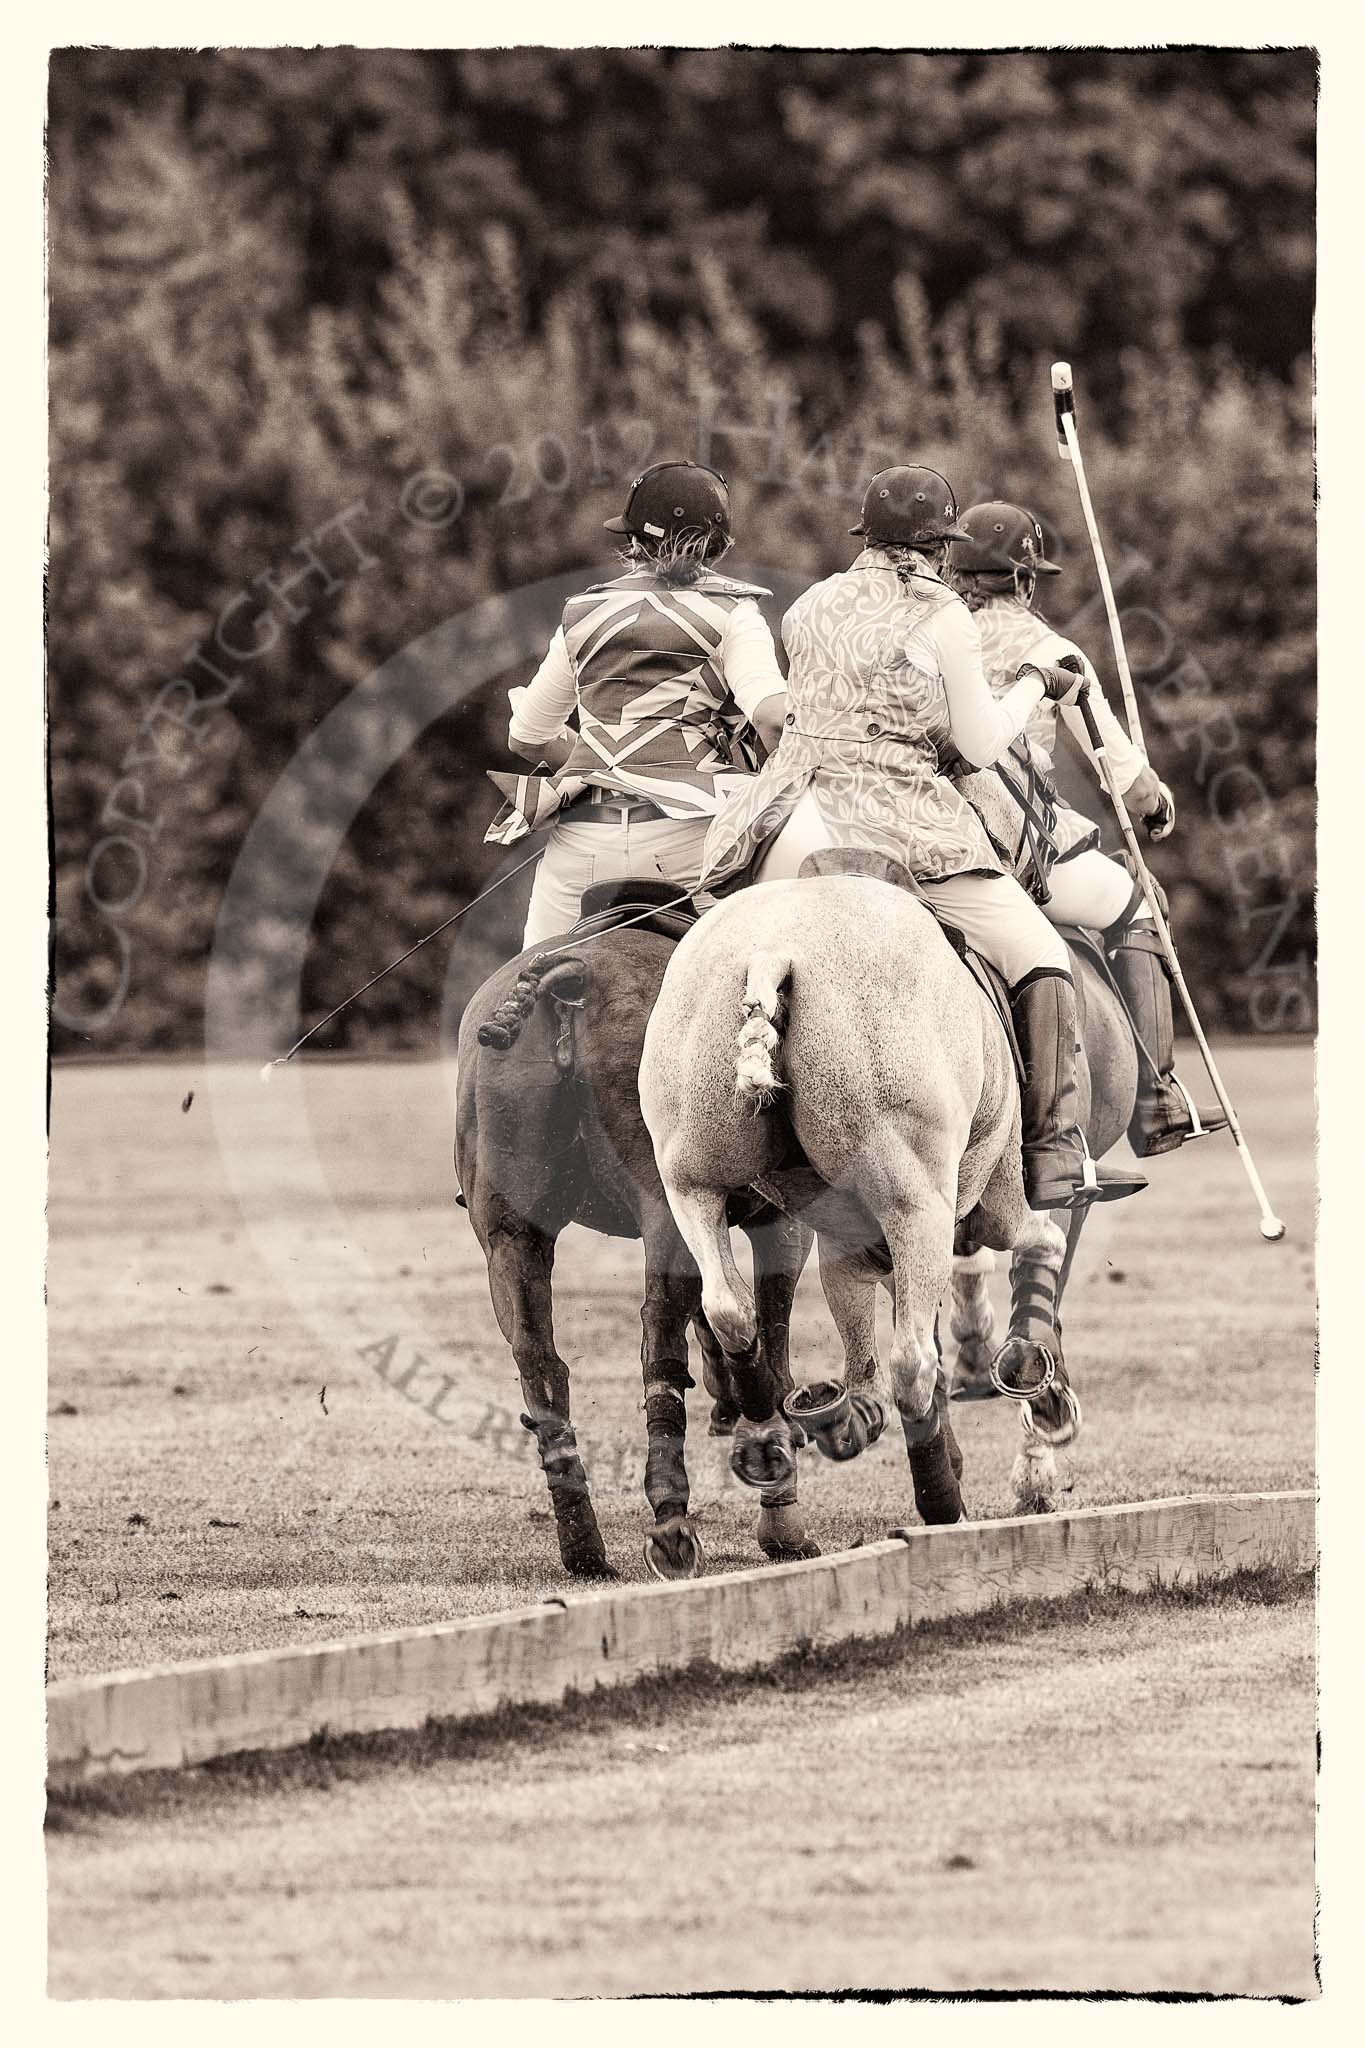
(549, 1132)
(871, 1090)
(1107, 1079)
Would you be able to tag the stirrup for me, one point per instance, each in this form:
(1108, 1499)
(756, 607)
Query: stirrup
(1198, 1128)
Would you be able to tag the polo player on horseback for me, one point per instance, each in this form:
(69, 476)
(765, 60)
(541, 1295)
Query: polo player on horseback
(886, 680)
(996, 562)
(671, 669)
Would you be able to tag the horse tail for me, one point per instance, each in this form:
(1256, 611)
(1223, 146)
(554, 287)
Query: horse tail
(544, 975)
(760, 1037)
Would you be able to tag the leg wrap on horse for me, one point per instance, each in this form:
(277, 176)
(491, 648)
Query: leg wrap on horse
(559, 1459)
(938, 1497)
(666, 1487)
(1033, 1296)
(580, 1539)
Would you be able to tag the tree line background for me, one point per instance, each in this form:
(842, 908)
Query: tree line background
(288, 284)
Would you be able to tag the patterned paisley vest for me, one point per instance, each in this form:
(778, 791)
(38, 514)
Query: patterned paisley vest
(655, 714)
(868, 732)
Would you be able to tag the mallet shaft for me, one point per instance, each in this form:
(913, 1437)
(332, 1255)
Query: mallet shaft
(1068, 444)
(1271, 1226)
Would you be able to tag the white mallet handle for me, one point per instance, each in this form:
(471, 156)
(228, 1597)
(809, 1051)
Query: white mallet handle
(1069, 445)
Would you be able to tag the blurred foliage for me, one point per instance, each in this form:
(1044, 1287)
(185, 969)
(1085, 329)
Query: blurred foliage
(285, 282)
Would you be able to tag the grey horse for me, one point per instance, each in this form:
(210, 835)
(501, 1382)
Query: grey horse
(1107, 1080)
(819, 1040)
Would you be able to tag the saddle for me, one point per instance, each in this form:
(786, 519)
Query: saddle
(884, 867)
(647, 906)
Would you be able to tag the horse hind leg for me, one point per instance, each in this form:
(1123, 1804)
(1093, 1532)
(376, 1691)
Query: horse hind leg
(1030, 1366)
(672, 1549)
(716, 1379)
(520, 1264)
(845, 1416)
(764, 1455)
(920, 1238)
(781, 1246)
(971, 1320)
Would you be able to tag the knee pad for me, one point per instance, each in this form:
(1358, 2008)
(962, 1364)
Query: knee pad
(1126, 860)
(1121, 930)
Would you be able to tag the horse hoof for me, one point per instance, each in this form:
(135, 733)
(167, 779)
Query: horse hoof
(865, 1425)
(971, 1388)
(821, 1406)
(590, 1568)
(841, 1424)
(721, 1425)
(1056, 1419)
(673, 1550)
(784, 1553)
(763, 1455)
(1035, 1375)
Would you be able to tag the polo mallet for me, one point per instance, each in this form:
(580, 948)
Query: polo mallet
(1069, 448)
(284, 1058)
(1272, 1229)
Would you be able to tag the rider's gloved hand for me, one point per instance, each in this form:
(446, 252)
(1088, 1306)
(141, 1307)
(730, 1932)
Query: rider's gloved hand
(1160, 820)
(1061, 680)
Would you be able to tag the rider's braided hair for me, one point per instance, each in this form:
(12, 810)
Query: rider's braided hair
(679, 560)
(909, 560)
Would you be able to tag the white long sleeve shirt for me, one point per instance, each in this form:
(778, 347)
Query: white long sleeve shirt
(983, 726)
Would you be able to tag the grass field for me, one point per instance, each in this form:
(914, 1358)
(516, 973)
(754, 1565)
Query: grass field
(227, 1471)
(1110, 1793)
(1105, 1794)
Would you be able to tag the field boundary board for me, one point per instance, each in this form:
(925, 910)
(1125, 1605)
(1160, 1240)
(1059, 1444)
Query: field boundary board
(183, 1714)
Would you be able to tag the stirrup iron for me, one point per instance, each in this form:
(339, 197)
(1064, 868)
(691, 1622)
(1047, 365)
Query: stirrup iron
(1197, 1128)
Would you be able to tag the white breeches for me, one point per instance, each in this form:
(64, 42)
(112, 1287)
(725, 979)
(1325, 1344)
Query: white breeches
(1092, 890)
(992, 911)
(576, 856)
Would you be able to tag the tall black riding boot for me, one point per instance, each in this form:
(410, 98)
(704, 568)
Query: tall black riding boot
(1058, 1172)
(1164, 1116)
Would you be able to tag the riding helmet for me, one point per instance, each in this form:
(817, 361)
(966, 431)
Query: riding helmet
(999, 539)
(912, 507)
(675, 501)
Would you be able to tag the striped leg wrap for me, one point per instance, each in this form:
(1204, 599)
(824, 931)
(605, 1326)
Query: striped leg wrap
(1033, 1298)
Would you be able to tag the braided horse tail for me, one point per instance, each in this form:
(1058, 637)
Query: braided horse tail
(759, 1044)
(546, 974)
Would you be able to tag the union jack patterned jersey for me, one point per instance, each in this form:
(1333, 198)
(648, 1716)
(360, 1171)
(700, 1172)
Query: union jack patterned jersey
(656, 716)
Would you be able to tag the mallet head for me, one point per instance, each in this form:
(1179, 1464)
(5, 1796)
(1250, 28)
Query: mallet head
(1063, 402)
(1272, 1230)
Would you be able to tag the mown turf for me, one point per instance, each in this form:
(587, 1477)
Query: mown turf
(334, 1759)
(1108, 1793)
(228, 1472)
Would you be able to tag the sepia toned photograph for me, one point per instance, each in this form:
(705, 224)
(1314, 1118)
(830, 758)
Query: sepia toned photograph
(681, 695)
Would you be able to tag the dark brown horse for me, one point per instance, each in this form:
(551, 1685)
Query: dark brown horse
(549, 1132)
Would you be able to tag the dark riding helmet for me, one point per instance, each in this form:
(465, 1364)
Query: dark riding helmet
(998, 540)
(676, 501)
(912, 507)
